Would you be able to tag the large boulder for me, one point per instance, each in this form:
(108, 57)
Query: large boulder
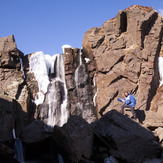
(35, 132)
(74, 139)
(126, 139)
(124, 53)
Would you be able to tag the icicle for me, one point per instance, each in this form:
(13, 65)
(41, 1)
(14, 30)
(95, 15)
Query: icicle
(80, 58)
(94, 98)
(22, 69)
(19, 153)
(41, 65)
(13, 132)
(39, 68)
(59, 77)
(160, 67)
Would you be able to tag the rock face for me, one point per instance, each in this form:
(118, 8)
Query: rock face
(114, 134)
(14, 95)
(79, 85)
(11, 85)
(74, 139)
(124, 52)
(128, 140)
(35, 132)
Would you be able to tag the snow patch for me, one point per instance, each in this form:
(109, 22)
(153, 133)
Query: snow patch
(87, 60)
(40, 65)
(65, 47)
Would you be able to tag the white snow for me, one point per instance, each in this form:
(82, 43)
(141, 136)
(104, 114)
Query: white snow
(94, 98)
(40, 65)
(87, 60)
(160, 67)
(65, 46)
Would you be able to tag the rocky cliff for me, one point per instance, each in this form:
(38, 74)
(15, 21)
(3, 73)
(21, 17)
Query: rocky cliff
(122, 55)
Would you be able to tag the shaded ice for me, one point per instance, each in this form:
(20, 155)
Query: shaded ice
(160, 67)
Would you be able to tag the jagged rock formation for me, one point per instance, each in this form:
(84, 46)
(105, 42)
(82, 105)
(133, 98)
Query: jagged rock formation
(125, 53)
(11, 85)
(15, 96)
(120, 56)
(114, 134)
(74, 139)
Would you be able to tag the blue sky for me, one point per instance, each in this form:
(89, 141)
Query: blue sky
(46, 25)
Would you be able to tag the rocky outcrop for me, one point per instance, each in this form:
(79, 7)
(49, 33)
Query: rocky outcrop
(14, 95)
(35, 132)
(114, 134)
(74, 139)
(124, 52)
(79, 86)
(120, 56)
(9, 54)
(11, 84)
(127, 139)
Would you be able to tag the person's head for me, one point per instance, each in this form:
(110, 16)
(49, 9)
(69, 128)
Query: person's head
(126, 94)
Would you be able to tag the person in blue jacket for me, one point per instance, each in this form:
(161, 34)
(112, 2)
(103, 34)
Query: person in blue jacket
(129, 102)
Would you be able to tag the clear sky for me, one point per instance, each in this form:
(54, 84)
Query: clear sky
(46, 25)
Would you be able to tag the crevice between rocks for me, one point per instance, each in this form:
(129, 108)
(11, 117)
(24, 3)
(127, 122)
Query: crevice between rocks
(20, 87)
(119, 78)
(119, 60)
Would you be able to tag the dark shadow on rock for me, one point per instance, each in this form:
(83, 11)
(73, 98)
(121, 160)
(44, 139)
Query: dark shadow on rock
(105, 107)
(140, 114)
(39, 147)
(125, 138)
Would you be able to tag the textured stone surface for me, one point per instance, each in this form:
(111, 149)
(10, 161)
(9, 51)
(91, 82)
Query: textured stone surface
(14, 95)
(120, 56)
(9, 54)
(127, 139)
(74, 139)
(35, 132)
(79, 86)
(125, 53)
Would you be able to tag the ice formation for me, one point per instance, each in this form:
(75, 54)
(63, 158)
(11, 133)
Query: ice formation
(49, 71)
(160, 67)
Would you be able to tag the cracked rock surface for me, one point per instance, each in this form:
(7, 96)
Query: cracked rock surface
(124, 52)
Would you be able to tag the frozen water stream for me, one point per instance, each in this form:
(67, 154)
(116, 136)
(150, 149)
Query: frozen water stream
(49, 73)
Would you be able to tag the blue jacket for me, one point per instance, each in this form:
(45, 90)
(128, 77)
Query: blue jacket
(129, 100)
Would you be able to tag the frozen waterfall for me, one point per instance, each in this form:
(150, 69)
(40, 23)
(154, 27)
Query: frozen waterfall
(52, 95)
(160, 67)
